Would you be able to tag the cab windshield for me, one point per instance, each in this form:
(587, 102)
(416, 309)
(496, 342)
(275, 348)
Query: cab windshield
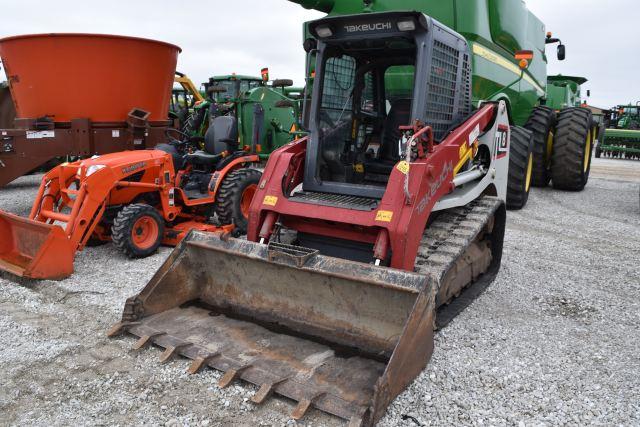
(365, 99)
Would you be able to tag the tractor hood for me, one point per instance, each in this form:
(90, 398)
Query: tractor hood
(142, 158)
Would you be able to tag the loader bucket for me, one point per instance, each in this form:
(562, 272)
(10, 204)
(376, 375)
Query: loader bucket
(341, 336)
(34, 249)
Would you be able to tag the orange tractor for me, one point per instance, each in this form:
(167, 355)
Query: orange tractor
(137, 199)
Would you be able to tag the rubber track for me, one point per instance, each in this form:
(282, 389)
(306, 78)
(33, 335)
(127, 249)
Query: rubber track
(540, 122)
(567, 165)
(518, 162)
(446, 240)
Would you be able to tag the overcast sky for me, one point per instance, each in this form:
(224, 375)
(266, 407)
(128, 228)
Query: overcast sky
(242, 36)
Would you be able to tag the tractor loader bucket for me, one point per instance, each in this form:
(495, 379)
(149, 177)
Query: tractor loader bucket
(341, 336)
(34, 249)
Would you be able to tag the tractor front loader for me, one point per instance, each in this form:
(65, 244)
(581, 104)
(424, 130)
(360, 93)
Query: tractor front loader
(137, 199)
(361, 236)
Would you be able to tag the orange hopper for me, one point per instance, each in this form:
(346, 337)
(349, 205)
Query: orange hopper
(99, 77)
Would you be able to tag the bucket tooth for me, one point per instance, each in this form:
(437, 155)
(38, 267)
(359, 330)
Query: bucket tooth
(170, 352)
(201, 361)
(304, 405)
(265, 391)
(231, 375)
(120, 328)
(145, 339)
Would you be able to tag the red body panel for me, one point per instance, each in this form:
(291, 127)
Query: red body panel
(398, 222)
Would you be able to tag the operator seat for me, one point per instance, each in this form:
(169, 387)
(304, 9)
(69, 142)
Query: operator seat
(389, 154)
(221, 136)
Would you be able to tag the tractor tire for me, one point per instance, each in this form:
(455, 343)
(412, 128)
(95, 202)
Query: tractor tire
(138, 230)
(541, 123)
(520, 168)
(234, 197)
(571, 160)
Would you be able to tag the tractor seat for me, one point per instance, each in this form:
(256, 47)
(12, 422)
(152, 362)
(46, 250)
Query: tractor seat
(221, 136)
(389, 154)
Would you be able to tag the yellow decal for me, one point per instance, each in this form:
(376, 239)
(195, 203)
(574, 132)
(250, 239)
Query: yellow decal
(270, 200)
(500, 60)
(359, 168)
(384, 216)
(463, 150)
(403, 167)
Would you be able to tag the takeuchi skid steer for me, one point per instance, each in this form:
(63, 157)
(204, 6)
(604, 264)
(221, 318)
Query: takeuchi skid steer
(387, 219)
(137, 199)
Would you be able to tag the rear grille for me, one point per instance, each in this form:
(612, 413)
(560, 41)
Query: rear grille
(336, 200)
(449, 89)
(464, 108)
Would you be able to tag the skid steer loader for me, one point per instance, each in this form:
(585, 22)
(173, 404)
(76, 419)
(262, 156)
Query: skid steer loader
(385, 221)
(137, 199)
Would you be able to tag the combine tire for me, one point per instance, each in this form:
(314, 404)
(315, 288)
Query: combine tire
(138, 230)
(571, 160)
(541, 123)
(234, 197)
(520, 168)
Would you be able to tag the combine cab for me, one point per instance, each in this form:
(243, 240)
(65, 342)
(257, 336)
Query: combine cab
(385, 221)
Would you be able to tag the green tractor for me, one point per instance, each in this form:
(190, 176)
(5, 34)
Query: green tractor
(564, 91)
(546, 145)
(267, 114)
(622, 137)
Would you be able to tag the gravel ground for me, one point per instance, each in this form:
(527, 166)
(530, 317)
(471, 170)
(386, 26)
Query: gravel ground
(554, 341)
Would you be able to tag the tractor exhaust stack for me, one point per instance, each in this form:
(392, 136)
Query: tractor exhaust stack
(341, 336)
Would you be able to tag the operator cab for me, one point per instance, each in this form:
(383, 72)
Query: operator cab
(366, 88)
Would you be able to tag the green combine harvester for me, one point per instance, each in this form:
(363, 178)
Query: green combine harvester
(622, 137)
(546, 145)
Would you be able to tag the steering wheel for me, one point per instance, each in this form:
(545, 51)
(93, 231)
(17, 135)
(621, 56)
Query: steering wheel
(184, 138)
